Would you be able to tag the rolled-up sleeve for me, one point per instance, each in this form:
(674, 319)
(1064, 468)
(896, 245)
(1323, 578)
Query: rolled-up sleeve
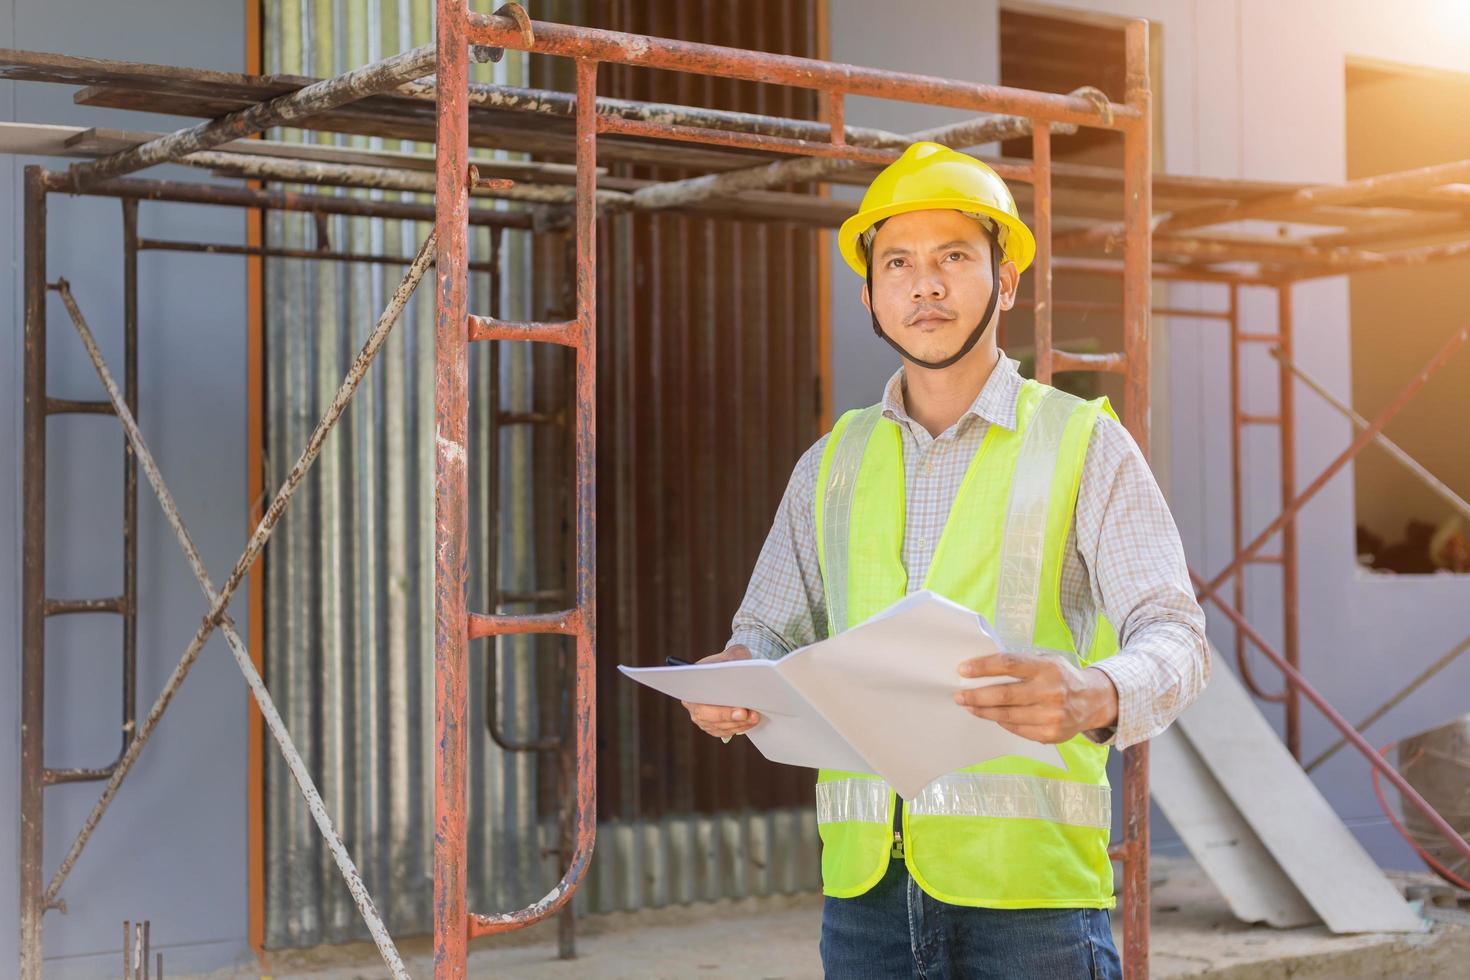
(1129, 544)
(784, 606)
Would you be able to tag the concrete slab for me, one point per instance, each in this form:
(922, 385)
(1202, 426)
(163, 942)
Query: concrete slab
(1194, 936)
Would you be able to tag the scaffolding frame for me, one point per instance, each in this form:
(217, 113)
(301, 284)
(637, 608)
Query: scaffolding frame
(739, 148)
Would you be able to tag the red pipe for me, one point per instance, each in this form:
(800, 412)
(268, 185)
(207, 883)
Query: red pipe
(619, 48)
(451, 491)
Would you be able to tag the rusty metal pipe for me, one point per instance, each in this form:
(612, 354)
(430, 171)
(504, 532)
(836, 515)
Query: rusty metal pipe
(579, 821)
(615, 47)
(1290, 607)
(567, 622)
(1137, 263)
(1237, 498)
(566, 333)
(212, 248)
(451, 488)
(72, 406)
(330, 93)
(33, 581)
(63, 607)
(130, 479)
(55, 777)
(1041, 278)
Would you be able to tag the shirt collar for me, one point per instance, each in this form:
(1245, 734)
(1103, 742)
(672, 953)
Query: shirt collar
(996, 402)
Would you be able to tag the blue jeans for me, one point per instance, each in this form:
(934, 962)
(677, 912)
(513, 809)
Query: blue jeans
(896, 929)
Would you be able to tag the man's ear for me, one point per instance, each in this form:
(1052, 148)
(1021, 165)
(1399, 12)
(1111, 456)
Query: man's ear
(867, 300)
(1010, 279)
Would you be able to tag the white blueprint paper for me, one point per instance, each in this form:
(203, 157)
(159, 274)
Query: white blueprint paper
(876, 698)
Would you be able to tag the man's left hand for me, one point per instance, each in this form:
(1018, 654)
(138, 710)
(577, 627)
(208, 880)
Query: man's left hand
(1050, 700)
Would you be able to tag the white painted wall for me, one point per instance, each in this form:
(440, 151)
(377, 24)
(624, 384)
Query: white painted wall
(1251, 88)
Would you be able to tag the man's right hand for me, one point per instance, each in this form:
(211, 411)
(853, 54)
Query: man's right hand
(718, 720)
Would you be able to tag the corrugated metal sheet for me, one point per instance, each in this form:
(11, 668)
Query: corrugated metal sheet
(708, 389)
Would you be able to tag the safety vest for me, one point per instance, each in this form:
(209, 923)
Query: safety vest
(1011, 832)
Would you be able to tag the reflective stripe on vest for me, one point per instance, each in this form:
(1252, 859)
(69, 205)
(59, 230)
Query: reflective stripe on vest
(837, 512)
(1018, 579)
(971, 794)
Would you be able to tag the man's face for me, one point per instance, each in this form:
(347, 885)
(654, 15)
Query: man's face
(931, 281)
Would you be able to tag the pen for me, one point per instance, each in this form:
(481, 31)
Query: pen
(676, 662)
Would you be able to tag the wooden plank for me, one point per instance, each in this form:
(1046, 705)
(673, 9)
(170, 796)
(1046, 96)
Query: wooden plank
(395, 117)
(35, 139)
(45, 66)
(1219, 838)
(1297, 826)
(100, 141)
(1082, 190)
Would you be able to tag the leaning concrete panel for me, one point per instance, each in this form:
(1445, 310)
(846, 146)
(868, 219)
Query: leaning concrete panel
(1220, 839)
(1293, 821)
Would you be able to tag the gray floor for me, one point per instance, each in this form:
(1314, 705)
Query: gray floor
(1193, 934)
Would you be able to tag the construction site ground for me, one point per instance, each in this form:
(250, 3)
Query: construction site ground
(1193, 935)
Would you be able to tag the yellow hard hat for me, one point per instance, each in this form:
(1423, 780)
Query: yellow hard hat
(930, 176)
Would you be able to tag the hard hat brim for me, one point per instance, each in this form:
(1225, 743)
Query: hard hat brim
(1020, 243)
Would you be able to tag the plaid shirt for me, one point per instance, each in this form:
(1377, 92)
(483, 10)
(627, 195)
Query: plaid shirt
(1123, 556)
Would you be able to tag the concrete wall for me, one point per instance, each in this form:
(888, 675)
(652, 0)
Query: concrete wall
(1250, 88)
(171, 849)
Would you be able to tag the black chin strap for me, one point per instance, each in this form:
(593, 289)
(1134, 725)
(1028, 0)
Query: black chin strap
(975, 334)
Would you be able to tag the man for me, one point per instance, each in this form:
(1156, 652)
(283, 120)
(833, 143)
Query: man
(1032, 507)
